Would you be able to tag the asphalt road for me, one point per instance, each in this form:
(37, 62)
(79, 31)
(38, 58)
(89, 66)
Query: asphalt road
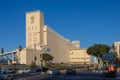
(81, 75)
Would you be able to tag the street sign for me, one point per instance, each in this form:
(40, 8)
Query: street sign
(46, 50)
(108, 57)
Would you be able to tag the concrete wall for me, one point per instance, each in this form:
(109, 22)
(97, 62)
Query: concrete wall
(58, 46)
(22, 56)
(28, 55)
(79, 56)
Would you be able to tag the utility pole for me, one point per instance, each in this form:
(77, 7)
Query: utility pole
(35, 58)
(41, 57)
(20, 48)
(18, 57)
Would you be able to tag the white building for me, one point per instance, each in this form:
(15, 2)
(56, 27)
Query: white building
(117, 48)
(39, 36)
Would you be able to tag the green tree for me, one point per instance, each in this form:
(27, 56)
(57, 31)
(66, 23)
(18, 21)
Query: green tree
(47, 57)
(32, 65)
(116, 55)
(98, 50)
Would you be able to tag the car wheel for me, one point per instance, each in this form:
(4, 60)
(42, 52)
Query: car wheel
(67, 73)
(1, 78)
(75, 73)
(59, 73)
(9, 78)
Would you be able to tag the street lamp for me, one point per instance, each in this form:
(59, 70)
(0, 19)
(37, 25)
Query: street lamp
(19, 50)
(84, 59)
(35, 58)
(99, 63)
(45, 49)
(41, 56)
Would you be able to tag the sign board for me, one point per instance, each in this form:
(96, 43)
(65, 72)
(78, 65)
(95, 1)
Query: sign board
(46, 50)
(108, 57)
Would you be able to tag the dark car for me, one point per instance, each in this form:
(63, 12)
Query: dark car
(5, 76)
(36, 70)
(71, 71)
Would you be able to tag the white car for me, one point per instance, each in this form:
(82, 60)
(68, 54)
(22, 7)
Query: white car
(25, 70)
(53, 71)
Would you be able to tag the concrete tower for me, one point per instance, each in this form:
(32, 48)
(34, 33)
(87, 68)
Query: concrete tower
(34, 29)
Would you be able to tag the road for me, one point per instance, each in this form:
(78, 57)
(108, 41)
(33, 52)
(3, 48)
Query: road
(81, 75)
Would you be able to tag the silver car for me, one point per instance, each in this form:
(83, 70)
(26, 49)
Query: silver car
(25, 70)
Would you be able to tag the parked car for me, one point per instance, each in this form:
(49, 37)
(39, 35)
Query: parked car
(53, 71)
(44, 69)
(36, 70)
(118, 69)
(25, 70)
(10, 70)
(71, 71)
(5, 76)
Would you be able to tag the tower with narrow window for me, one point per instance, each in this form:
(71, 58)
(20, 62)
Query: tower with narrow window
(34, 29)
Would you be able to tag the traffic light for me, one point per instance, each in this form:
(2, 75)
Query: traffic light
(2, 50)
(20, 48)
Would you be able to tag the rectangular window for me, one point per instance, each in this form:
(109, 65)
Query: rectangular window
(36, 28)
(32, 19)
(28, 28)
(29, 39)
(32, 28)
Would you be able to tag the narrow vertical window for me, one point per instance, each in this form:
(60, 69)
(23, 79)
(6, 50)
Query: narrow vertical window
(32, 19)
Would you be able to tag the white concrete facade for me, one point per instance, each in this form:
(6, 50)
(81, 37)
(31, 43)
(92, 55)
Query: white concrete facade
(28, 55)
(117, 48)
(79, 56)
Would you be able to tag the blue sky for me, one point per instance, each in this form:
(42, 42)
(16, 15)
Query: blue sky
(89, 21)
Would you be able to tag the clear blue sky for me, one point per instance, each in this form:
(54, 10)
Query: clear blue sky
(89, 21)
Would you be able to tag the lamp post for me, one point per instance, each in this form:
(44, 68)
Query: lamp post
(41, 56)
(99, 63)
(18, 56)
(35, 58)
(84, 60)
(19, 50)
